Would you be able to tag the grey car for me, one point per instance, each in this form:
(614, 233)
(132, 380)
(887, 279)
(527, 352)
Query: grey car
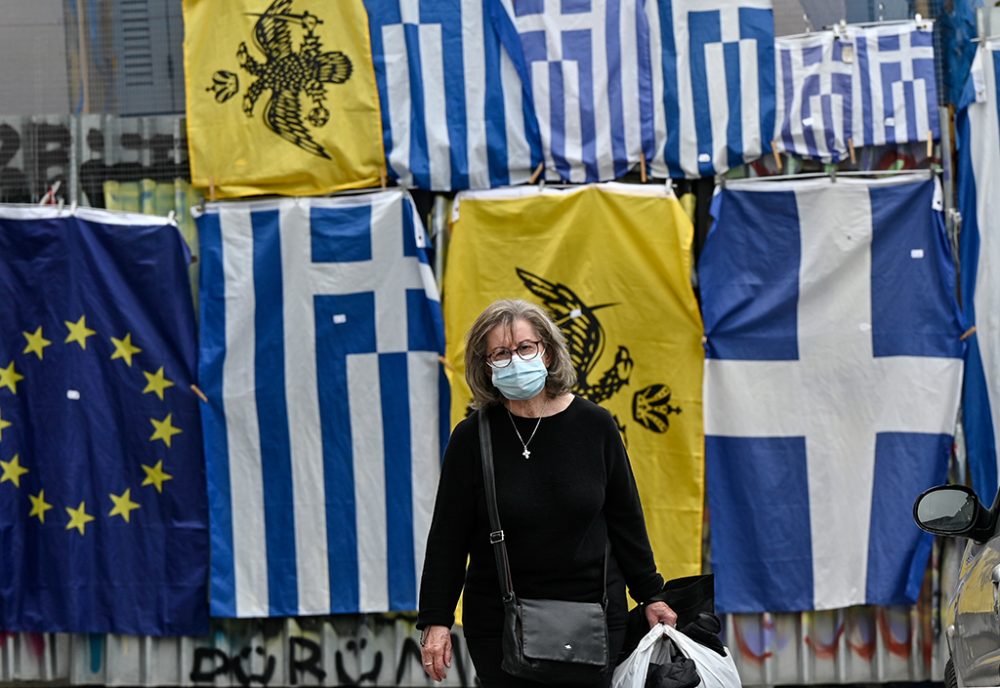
(972, 617)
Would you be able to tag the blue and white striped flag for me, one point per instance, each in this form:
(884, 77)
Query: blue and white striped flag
(713, 84)
(814, 96)
(321, 333)
(587, 62)
(895, 96)
(978, 130)
(832, 377)
(453, 105)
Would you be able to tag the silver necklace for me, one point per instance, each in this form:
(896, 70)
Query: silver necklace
(527, 452)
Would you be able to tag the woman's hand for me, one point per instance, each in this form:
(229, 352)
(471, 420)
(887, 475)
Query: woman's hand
(436, 652)
(660, 612)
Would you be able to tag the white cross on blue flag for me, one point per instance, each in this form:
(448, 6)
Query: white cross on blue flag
(814, 96)
(321, 333)
(832, 376)
(453, 108)
(713, 84)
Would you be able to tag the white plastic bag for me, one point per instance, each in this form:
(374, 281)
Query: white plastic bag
(715, 671)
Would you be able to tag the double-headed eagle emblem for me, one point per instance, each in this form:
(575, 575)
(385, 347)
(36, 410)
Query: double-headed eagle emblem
(287, 74)
(584, 334)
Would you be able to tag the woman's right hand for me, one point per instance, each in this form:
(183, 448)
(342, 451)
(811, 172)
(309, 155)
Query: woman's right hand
(436, 652)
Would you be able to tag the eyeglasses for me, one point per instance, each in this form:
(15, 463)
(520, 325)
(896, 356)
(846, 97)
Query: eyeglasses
(502, 356)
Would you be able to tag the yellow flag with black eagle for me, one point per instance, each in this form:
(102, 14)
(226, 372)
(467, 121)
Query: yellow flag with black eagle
(612, 265)
(281, 97)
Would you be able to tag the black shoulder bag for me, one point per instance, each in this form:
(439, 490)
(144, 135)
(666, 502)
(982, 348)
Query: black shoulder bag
(550, 641)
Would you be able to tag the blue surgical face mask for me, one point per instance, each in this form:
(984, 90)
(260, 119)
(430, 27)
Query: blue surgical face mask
(521, 379)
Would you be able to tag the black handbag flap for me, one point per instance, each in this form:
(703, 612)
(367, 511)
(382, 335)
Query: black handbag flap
(561, 631)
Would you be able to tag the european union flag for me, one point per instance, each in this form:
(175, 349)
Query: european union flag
(102, 489)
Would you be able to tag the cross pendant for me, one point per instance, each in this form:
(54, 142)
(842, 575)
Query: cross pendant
(526, 454)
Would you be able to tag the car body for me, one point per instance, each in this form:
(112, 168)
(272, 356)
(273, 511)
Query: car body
(972, 617)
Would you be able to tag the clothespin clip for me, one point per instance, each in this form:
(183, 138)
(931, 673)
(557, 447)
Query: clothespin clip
(49, 197)
(968, 333)
(382, 176)
(930, 144)
(642, 166)
(198, 393)
(444, 361)
(211, 188)
(777, 155)
(537, 173)
(850, 148)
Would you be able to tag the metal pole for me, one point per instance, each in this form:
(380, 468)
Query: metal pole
(76, 137)
(439, 228)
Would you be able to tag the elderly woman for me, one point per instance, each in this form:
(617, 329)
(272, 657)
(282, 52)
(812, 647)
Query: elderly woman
(564, 489)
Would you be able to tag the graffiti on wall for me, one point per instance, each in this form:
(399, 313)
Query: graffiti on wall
(85, 151)
(303, 663)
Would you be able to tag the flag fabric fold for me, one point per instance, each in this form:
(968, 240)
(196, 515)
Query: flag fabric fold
(321, 335)
(832, 376)
(103, 515)
(978, 133)
(611, 263)
(281, 97)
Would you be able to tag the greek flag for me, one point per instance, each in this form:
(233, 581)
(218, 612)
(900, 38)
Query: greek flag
(895, 98)
(587, 62)
(978, 133)
(713, 84)
(321, 333)
(832, 381)
(814, 99)
(453, 112)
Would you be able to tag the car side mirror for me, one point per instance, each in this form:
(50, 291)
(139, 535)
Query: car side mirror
(949, 510)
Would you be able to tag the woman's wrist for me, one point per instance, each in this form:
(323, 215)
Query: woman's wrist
(426, 630)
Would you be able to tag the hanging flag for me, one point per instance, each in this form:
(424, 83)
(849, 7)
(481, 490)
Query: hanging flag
(102, 492)
(281, 97)
(814, 96)
(321, 334)
(978, 131)
(832, 376)
(612, 265)
(587, 64)
(895, 93)
(713, 84)
(453, 110)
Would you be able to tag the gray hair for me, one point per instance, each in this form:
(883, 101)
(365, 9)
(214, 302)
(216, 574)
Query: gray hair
(505, 312)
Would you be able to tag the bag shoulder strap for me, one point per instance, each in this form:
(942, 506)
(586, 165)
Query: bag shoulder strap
(489, 487)
(497, 538)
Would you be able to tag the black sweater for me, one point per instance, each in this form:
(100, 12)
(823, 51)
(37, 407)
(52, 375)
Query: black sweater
(557, 509)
